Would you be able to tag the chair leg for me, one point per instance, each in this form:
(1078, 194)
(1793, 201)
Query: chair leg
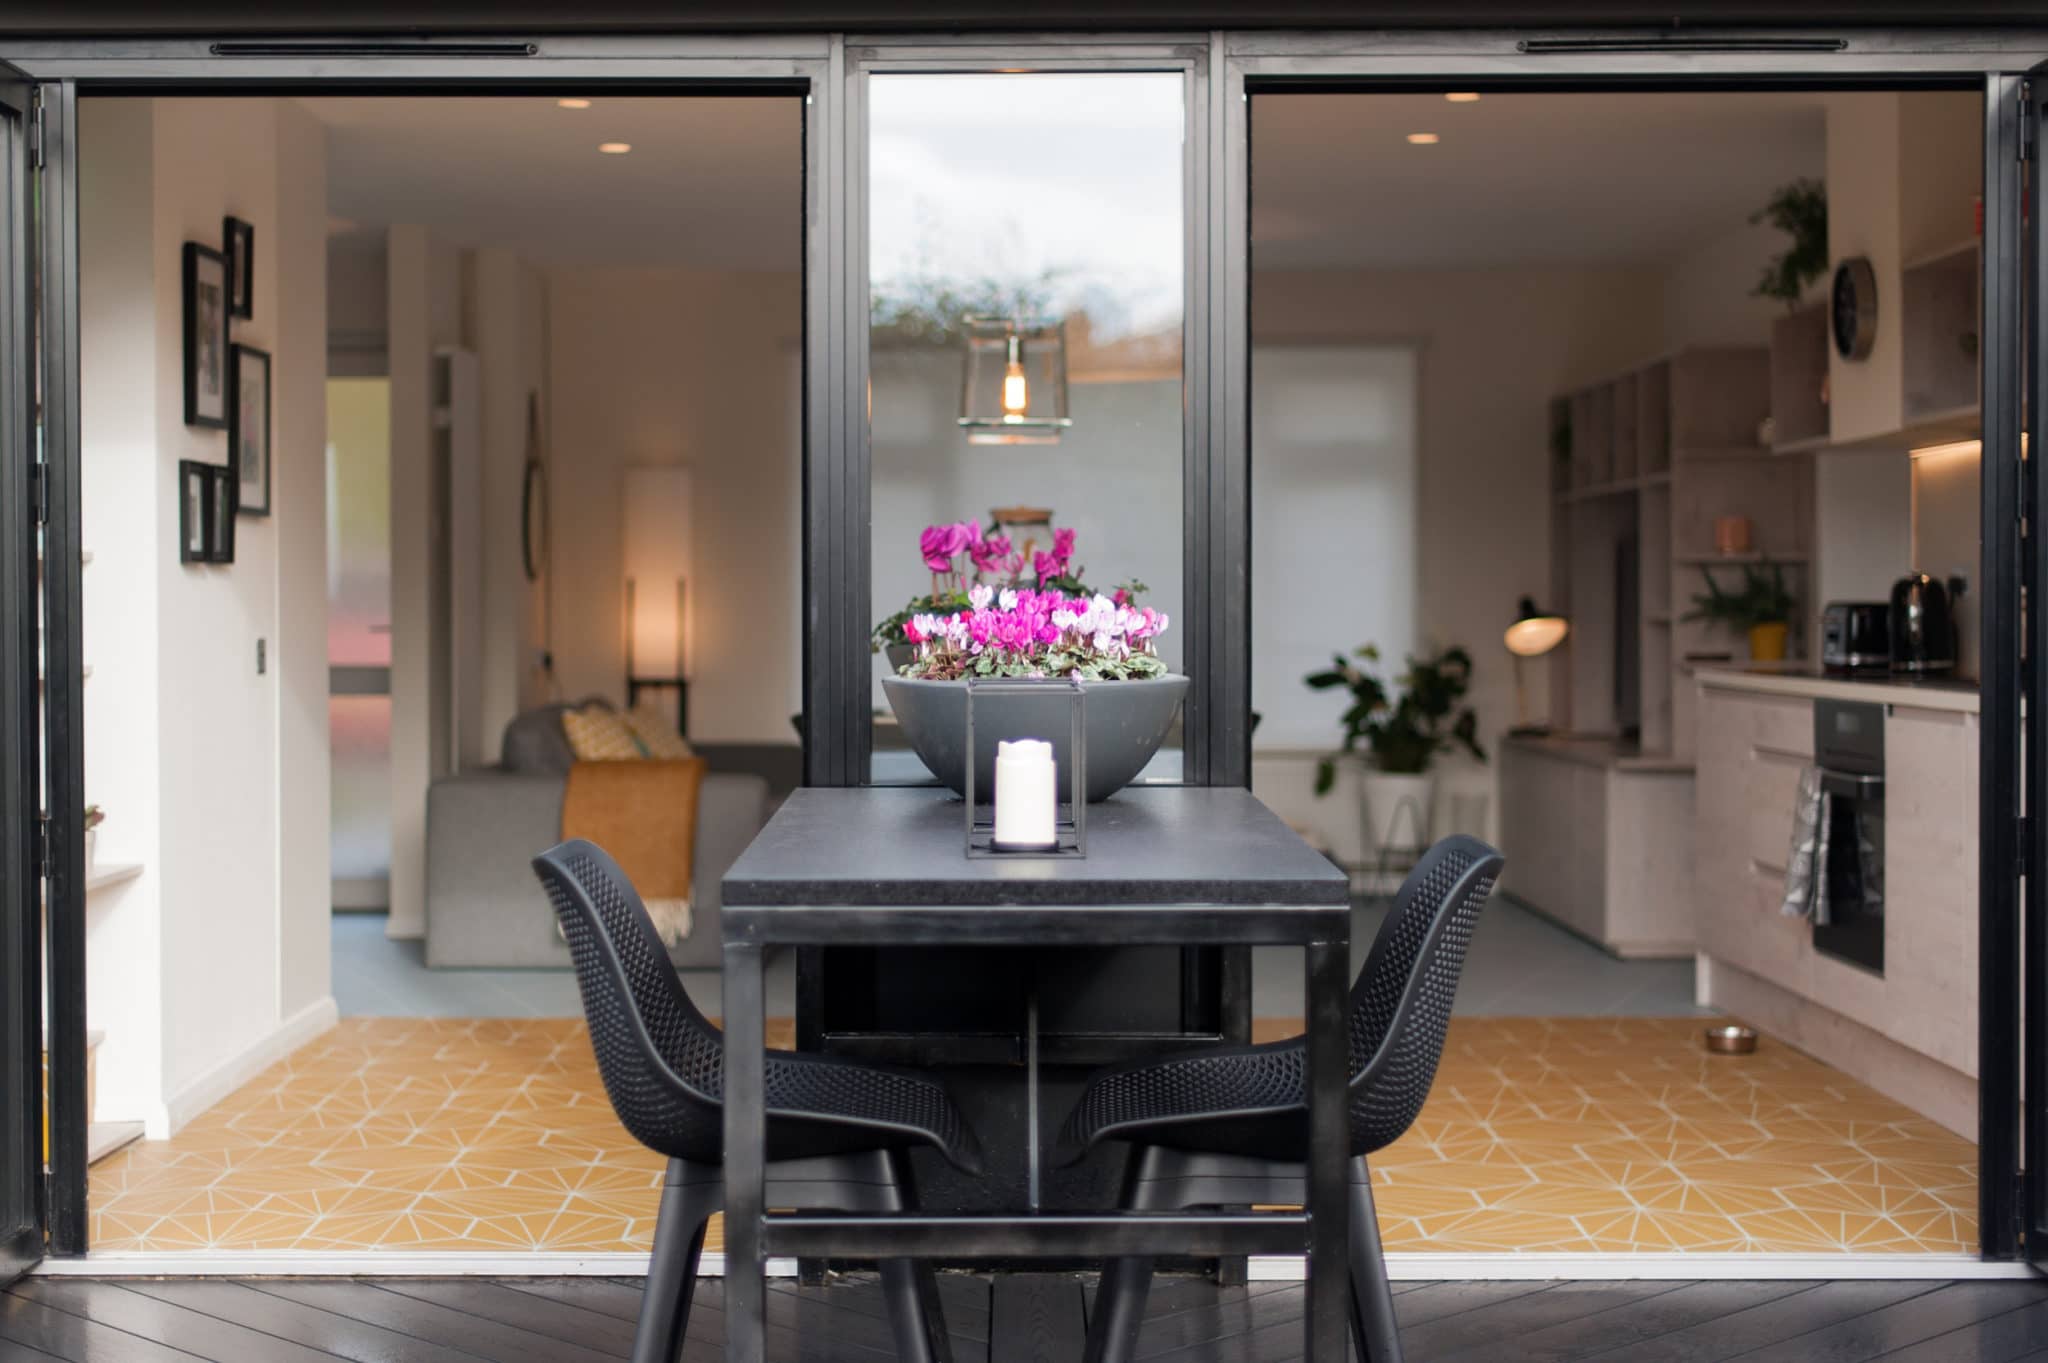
(911, 1288)
(1373, 1327)
(1120, 1299)
(689, 1195)
(1119, 1311)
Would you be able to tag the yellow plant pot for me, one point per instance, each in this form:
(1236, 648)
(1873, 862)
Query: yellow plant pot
(1767, 642)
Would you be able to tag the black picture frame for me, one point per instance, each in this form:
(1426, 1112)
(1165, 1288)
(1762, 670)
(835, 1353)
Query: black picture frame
(238, 244)
(205, 316)
(223, 489)
(195, 504)
(249, 427)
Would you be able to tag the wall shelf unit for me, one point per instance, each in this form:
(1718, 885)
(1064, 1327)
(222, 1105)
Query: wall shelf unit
(1941, 319)
(1799, 380)
(1630, 545)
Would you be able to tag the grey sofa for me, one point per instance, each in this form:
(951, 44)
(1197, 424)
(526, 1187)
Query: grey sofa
(484, 905)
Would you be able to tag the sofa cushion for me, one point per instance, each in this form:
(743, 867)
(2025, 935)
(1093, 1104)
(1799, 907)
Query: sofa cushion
(534, 740)
(601, 734)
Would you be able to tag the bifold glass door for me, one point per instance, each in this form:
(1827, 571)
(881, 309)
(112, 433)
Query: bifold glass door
(2013, 416)
(21, 1126)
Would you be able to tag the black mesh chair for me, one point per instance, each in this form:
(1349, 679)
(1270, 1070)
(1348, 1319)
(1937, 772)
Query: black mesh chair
(837, 1131)
(1228, 1126)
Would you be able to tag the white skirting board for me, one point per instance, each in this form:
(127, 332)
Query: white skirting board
(1402, 1267)
(237, 1070)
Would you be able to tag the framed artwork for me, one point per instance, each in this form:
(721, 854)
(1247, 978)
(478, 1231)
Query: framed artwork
(238, 241)
(195, 505)
(224, 491)
(249, 427)
(206, 337)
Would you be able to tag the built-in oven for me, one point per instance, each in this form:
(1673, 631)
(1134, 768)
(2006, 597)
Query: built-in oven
(1848, 910)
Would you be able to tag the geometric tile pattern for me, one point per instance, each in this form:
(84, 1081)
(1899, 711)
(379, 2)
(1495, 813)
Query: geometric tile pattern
(1611, 1135)
(1625, 1134)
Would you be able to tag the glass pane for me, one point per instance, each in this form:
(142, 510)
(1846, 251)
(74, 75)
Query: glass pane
(1028, 291)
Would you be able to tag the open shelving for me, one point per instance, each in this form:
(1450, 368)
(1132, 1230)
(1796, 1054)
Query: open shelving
(1636, 499)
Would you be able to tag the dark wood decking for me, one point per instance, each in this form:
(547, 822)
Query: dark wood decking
(1012, 1319)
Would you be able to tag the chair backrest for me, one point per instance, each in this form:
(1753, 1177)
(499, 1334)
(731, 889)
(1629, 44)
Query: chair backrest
(1401, 1001)
(663, 1064)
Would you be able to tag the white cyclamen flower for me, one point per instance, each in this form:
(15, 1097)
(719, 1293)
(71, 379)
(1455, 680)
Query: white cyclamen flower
(1008, 600)
(980, 594)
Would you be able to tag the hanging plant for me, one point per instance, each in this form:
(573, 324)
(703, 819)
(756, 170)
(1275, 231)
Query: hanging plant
(1800, 210)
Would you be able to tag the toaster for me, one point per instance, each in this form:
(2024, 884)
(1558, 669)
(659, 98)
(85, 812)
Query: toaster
(1855, 635)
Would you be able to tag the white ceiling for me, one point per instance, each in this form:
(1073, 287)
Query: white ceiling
(1547, 179)
(714, 183)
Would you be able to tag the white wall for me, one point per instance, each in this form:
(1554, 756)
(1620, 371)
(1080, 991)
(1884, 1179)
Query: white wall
(215, 959)
(508, 310)
(424, 310)
(697, 368)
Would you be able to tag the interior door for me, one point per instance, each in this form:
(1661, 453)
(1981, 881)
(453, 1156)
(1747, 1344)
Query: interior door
(22, 1211)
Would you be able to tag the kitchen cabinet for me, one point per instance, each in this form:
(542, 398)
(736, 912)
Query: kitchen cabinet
(1912, 1030)
(1598, 837)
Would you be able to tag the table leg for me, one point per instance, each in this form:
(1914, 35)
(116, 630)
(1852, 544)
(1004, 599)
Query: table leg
(1329, 1287)
(746, 1144)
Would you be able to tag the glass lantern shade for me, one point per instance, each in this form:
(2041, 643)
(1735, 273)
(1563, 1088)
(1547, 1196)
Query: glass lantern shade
(1013, 387)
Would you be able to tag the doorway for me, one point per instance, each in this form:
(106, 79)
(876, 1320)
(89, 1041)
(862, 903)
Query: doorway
(1630, 423)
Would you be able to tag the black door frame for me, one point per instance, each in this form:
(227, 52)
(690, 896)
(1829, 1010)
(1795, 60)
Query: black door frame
(22, 1213)
(836, 533)
(797, 67)
(1992, 61)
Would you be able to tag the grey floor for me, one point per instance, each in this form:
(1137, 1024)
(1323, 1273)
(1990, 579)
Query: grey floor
(1017, 1318)
(1520, 965)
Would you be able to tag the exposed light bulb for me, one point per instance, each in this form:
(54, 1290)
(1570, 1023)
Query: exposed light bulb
(1016, 393)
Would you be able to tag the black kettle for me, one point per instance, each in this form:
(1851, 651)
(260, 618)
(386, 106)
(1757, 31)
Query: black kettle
(1923, 624)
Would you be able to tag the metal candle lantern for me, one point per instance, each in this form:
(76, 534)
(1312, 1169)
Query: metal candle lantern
(1070, 833)
(1013, 386)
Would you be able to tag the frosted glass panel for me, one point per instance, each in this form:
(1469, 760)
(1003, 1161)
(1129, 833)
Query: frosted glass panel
(1333, 526)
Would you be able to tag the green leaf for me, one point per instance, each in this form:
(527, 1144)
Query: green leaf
(1326, 776)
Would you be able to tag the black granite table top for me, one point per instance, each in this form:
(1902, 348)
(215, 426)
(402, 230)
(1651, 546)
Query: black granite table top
(905, 847)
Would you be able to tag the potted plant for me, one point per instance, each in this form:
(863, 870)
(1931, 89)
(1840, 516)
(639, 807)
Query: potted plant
(961, 555)
(1762, 608)
(1402, 731)
(94, 817)
(1104, 642)
(1800, 210)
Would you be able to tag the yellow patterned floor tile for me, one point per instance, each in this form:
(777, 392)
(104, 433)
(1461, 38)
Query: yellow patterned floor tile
(1580, 1134)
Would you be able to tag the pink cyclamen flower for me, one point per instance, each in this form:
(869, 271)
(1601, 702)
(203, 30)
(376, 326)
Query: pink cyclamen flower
(935, 543)
(1063, 546)
(1045, 565)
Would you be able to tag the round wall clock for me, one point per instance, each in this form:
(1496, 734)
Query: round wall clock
(1855, 308)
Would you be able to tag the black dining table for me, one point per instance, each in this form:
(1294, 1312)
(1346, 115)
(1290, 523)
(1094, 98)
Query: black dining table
(887, 867)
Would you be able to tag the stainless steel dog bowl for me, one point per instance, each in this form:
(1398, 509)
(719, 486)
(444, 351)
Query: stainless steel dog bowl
(1731, 1039)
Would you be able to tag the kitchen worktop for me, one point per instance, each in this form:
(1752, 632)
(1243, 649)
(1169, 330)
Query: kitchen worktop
(1955, 694)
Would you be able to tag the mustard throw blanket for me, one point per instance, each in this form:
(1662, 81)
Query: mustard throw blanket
(645, 814)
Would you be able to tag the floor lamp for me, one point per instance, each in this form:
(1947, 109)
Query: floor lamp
(1534, 633)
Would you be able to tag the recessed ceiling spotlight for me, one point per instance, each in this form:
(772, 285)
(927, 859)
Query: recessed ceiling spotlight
(1423, 139)
(615, 148)
(572, 103)
(1463, 97)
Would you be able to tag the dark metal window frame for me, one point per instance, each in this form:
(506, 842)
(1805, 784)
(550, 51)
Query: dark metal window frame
(1225, 69)
(1202, 552)
(1993, 61)
(793, 67)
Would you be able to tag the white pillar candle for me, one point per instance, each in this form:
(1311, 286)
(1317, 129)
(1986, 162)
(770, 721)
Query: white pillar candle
(1026, 802)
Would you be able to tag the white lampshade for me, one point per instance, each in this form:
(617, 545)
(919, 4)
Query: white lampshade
(1534, 632)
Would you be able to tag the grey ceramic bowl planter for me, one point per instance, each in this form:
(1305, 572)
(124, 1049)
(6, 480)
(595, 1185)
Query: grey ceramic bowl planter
(1126, 721)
